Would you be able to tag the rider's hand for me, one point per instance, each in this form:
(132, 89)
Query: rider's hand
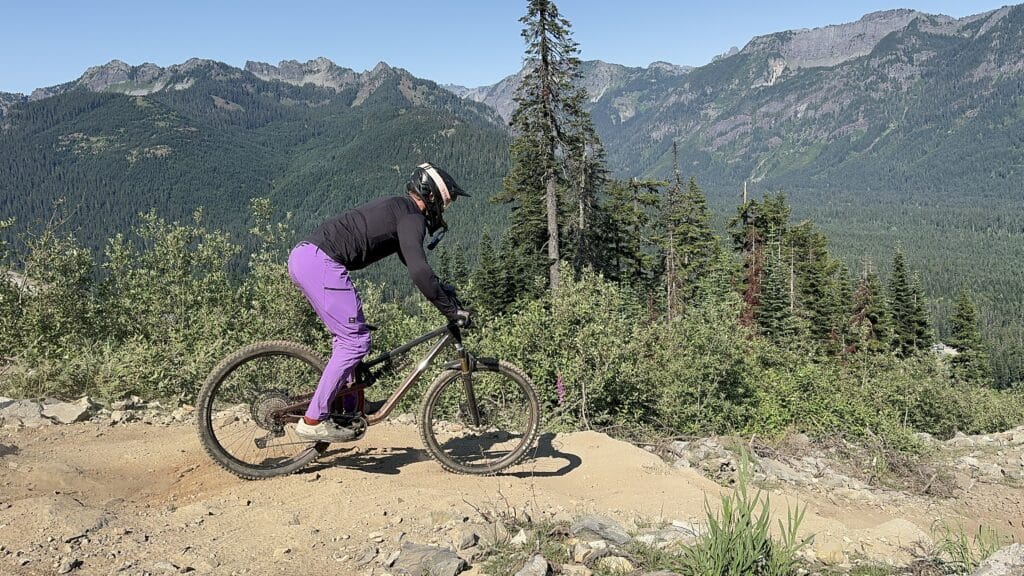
(449, 291)
(462, 319)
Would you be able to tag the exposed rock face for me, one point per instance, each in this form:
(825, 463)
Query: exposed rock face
(498, 96)
(319, 72)
(147, 78)
(98, 78)
(832, 45)
(599, 78)
(8, 99)
(745, 110)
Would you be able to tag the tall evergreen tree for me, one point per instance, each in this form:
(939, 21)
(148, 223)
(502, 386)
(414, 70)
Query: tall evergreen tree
(911, 329)
(452, 266)
(924, 337)
(755, 226)
(628, 255)
(871, 323)
(490, 284)
(822, 285)
(971, 365)
(555, 150)
(689, 246)
(775, 309)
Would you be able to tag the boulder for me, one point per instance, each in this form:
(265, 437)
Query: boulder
(420, 560)
(616, 565)
(1007, 561)
(69, 412)
(778, 471)
(25, 412)
(536, 566)
(594, 527)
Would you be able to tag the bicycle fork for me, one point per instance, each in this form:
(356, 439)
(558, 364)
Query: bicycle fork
(467, 382)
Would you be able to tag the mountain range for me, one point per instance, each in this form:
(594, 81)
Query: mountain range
(901, 128)
(892, 102)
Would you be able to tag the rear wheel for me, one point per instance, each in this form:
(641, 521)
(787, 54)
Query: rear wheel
(238, 409)
(481, 422)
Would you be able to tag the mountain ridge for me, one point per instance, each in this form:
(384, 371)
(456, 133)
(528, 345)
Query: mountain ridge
(917, 143)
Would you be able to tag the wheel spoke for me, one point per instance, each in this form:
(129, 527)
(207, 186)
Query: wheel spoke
(482, 424)
(241, 402)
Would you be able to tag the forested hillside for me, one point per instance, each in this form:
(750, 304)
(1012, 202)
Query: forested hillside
(900, 129)
(618, 297)
(204, 134)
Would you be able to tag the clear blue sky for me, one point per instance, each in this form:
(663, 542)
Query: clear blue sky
(467, 42)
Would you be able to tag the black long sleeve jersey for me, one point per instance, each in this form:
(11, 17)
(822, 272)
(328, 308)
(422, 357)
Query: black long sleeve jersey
(365, 234)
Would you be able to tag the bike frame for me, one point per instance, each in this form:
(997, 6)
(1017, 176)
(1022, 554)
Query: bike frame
(447, 334)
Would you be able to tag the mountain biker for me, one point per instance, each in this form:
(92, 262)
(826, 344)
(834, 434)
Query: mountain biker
(319, 266)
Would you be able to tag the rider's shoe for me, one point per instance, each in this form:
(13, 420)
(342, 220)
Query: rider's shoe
(326, 431)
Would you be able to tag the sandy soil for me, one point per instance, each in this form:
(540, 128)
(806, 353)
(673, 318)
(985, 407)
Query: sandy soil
(137, 498)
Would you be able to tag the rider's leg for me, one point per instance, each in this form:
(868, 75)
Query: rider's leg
(327, 286)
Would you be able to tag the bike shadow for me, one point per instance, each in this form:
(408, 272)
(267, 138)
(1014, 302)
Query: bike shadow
(546, 449)
(371, 461)
(392, 460)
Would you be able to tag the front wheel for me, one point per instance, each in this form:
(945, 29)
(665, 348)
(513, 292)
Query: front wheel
(243, 415)
(481, 422)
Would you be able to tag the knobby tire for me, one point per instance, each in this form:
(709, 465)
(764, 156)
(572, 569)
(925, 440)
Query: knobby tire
(208, 395)
(508, 379)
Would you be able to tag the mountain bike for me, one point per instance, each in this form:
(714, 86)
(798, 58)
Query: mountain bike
(478, 416)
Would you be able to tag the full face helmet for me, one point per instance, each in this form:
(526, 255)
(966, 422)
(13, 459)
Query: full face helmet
(437, 189)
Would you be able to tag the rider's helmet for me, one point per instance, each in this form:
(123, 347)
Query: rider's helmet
(437, 189)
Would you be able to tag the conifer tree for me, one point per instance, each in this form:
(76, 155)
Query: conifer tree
(871, 322)
(490, 287)
(774, 312)
(906, 300)
(628, 256)
(755, 226)
(452, 266)
(822, 285)
(555, 150)
(689, 246)
(971, 365)
(923, 335)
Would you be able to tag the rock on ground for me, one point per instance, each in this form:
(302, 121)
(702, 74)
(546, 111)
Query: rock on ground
(69, 412)
(420, 560)
(596, 527)
(536, 566)
(1007, 561)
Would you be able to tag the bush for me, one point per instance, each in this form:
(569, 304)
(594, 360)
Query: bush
(583, 348)
(165, 306)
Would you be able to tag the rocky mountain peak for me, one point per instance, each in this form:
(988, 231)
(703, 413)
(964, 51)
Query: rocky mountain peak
(98, 78)
(669, 68)
(319, 72)
(7, 100)
(833, 44)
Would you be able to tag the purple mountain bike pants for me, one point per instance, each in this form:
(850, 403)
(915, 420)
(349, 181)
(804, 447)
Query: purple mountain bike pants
(329, 289)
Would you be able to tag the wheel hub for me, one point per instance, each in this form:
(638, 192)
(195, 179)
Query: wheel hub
(264, 407)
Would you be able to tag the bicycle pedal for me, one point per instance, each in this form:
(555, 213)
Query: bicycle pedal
(354, 421)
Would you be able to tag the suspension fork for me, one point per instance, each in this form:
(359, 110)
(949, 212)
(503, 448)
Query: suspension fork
(466, 365)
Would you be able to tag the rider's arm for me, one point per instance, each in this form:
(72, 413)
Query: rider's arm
(412, 229)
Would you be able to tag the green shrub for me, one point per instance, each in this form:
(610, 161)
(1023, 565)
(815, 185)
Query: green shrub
(582, 347)
(699, 371)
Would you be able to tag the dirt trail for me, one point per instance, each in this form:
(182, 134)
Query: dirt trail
(146, 498)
